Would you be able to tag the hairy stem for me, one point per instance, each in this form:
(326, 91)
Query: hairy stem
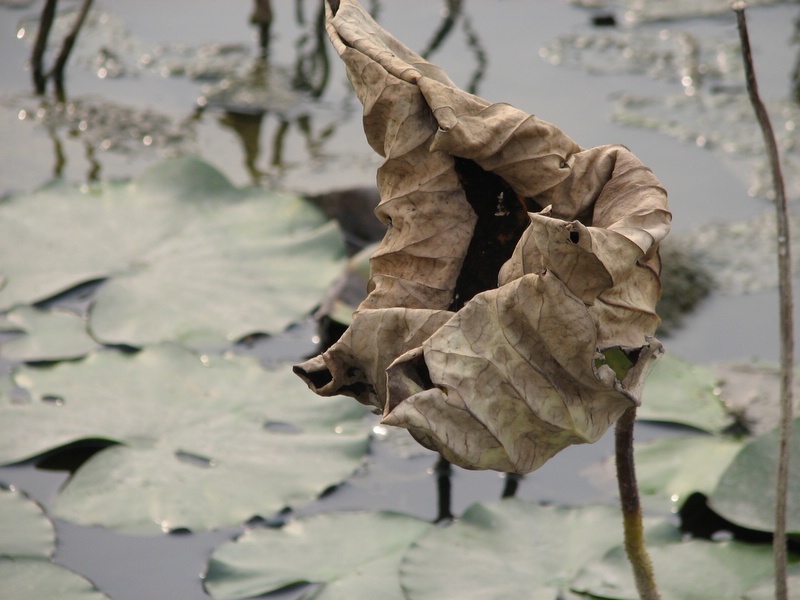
(632, 508)
(786, 308)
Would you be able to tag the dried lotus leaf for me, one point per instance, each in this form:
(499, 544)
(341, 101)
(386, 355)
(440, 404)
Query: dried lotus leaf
(508, 374)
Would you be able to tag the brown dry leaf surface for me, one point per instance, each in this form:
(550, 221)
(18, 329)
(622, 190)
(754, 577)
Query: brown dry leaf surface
(504, 374)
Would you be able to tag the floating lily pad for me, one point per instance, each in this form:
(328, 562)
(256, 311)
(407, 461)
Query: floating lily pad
(25, 531)
(27, 540)
(198, 442)
(353, 555)
(766, 590)
(33, 579)
(45, 335)
(509, 549)
(677, 392)
(188, 256)
(693, 570)
(745, 494)
(669, 470)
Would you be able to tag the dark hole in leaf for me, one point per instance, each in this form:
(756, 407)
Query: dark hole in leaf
(54, 399)
(502, 218)
(195, 459)
(281, 427)
(574, 237)
(604, 20)
(72, 456)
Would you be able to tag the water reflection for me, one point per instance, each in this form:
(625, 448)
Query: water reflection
(273, 108)
(451, 15)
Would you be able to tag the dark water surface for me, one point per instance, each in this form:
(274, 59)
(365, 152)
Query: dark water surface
(292, 150)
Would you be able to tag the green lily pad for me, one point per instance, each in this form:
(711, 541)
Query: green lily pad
(27, 540)
(46, 335)
(692, 570)
(200, 442)
(669, 470)
(34, 579)
(677, 392)
(187, 256)
(766, 590)
(353, 555)
(25, 531)
(745, 494)
(508, 550)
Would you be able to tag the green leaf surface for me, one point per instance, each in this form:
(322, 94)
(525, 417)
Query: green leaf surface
(34, 579)
(692, 570)
(745, 493)
(509, 550)
(677, 392)
(187, 256)
(354, 555)
(670, 469)
(46, 335)
(27, 540)
(201, 442)
(25, 531)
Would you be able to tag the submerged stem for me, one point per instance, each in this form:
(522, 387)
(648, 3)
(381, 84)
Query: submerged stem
(786, 308)
(632, 508)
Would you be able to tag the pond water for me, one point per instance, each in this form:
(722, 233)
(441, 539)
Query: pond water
(152, 79)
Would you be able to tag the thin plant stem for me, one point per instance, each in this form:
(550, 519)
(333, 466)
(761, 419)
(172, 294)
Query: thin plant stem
(786, 308)
(632, 508)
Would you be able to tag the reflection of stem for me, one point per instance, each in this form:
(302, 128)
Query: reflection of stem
(786, 309)
(452, 12)
(57, 72)
(474, 44)
(312, 69)
(632, 508)
(262, 17)
(444, 471)
(248, 128)
(37, 56)
(277, 143)
(61, 160)
(94, 166)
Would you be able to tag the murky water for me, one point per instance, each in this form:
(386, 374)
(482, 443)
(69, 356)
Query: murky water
(153, 79)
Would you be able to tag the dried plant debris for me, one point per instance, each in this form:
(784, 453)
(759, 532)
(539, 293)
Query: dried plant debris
(718, 250)
(664, 54)
(644, 11)
(108, 48)
(511, 304)
(104, 126)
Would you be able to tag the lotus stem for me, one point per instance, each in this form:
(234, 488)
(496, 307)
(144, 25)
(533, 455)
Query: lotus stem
(632, 508)
(786, 308)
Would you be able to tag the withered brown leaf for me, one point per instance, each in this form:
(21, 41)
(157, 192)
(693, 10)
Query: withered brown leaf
(504, 368)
